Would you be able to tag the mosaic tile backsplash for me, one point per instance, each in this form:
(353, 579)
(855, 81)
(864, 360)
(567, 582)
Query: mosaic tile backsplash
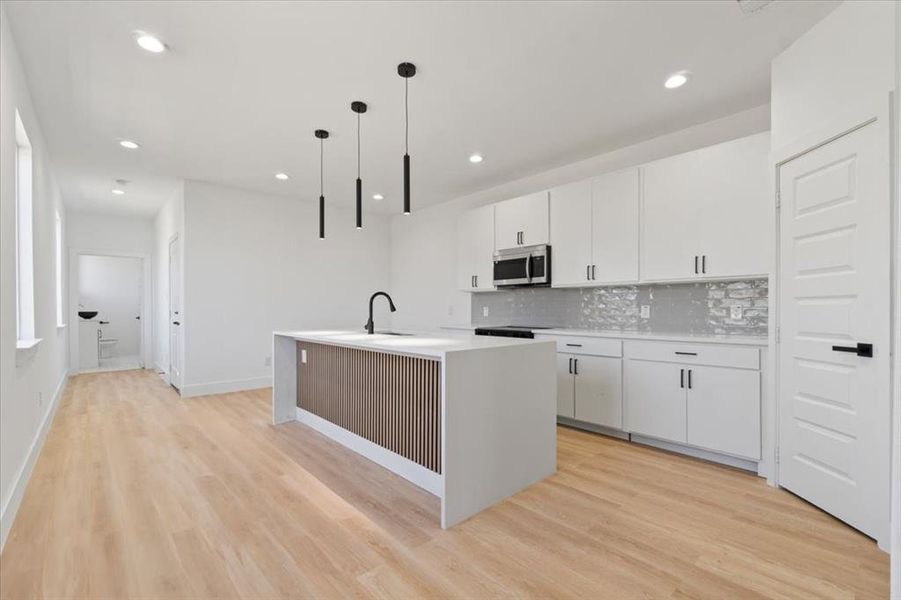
(683, 308)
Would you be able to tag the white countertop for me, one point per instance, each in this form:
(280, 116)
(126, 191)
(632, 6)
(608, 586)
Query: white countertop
(738, 340)
(432, 344)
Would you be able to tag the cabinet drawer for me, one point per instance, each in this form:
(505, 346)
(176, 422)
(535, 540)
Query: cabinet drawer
(714, 355)
(585, 345)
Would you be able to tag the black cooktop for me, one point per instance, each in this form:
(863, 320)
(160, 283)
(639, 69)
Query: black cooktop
(520, 331)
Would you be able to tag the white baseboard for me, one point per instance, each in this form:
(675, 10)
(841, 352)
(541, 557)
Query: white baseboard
(224, 387)
(414, 473)
(723, 459)
(11, 504)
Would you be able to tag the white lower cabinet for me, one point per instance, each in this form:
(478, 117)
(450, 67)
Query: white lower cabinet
(566, 386)
(678, 400)
(655, 400)
(723, 411)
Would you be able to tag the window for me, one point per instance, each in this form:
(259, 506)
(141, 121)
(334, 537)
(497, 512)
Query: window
(24, 243)
(60, 321)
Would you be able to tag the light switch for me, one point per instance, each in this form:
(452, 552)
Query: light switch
(645, 311)
(735, 312)
(303, 356)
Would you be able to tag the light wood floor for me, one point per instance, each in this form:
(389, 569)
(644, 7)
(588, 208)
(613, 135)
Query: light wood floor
(140, 494)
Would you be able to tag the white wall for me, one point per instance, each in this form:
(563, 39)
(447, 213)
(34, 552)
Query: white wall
(423, 244)
(845, 59)
(254, 264)
(113, 286)
(29, 386)
(848, 61)
(112, 235)
(169, 223)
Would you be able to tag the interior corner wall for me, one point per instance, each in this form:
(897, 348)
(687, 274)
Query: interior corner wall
(30, 385)
(253, 264)
(423, 244)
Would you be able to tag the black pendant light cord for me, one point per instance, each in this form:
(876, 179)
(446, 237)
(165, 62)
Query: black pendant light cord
(321, 171)
(358, 145)
(406, 115)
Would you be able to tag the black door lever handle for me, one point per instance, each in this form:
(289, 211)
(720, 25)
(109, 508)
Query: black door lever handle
(865, 350)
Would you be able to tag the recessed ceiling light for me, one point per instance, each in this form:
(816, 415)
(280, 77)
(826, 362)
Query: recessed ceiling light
(281, 176)
(378, 197)
(676, 80)
(149, 42)
(475, 158)
(129, 144)
(118, 192)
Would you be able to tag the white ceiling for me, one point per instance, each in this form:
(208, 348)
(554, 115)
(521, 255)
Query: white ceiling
(531, 85)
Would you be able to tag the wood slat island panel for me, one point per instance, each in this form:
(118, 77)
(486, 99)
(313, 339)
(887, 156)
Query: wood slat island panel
(391, 400)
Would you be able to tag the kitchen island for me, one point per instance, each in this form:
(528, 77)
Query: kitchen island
(470, 419)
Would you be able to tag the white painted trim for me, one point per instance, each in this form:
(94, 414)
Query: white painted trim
(723, 459)
(225, 387)
(416, 474)
(11, 503)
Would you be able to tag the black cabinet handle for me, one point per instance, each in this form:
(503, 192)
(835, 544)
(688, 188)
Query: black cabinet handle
(476, 280)
(704, 263)
(689, 379)
(588, 272)
(576, 366)
(687, 353)
(176, 323)
(681, 378)
(594, 273)
(570, 365)
(865, 350)
(574, 345)
(696, 265)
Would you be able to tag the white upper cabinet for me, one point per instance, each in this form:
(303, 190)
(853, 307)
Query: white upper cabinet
(614, 224)
(571, 234)
(521, 221)
(594, 230)
(705, 213)
(475, 250)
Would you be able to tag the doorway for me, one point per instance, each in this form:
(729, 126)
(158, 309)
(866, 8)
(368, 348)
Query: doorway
(834, 319)
(110, 312)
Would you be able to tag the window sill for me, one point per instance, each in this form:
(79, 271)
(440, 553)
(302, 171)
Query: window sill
(25, 350)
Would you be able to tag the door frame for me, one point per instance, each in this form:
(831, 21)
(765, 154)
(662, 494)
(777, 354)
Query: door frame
(146, 300)
(180, 333)
(875, 111)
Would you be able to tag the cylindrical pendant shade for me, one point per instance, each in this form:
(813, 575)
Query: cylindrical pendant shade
(321, 217)
(406, 184)
(359, 203)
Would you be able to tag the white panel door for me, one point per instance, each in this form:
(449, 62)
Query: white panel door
(571, 234)
(834, 278)
(565, 386)
(723, 410)
(522, 221)
(655, 399)
(599, 390)
(475, 249)
(614, 224)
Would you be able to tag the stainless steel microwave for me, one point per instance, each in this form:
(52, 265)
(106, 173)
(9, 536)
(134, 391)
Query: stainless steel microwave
(526, 265)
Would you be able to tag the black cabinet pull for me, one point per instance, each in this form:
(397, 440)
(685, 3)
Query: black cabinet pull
(865, 350)
(576, 366)
(574, 345)
(477, 281)
(704, 263)
(588, 272)
(687, 353)
(570, 365)
(176, 323)
(594, 272)
(696, 264)
(689, 379)
(682, 378)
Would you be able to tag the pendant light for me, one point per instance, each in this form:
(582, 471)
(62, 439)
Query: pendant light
(406, 70)
(359, 108)
(321, 134)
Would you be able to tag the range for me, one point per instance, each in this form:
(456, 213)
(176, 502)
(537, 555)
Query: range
(517, 331)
